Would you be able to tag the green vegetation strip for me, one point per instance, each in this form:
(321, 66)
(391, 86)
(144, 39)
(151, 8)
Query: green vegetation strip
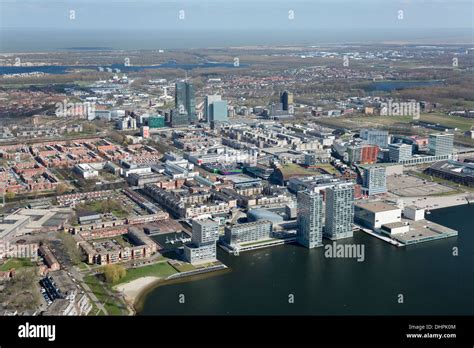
(112, 304)
(16, 264)
(183, 267)
(162, 270)
(106, 206)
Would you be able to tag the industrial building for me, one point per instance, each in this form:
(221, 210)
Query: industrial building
(455, 171)
(375, 214)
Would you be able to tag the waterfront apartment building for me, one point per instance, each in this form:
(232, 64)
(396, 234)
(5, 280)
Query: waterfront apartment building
(204, 231)
(310, 219)
(248, 232)
(200, 254)
(339, 211)
(400, 152)
(440, 144)
(203, 242)
(377, 137)
(374, 181)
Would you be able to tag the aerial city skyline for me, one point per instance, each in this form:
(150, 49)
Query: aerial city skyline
(260, 158)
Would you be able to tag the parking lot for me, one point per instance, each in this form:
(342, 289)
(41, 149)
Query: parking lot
(411, 186)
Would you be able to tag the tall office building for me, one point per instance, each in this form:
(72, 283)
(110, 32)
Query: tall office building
(203, 242)
(339, 211)
(375, 180)
(207, 105)
(185, 102)
(377, 137)
(218, 111)
(286, 99)
(440, 144)
(310, 219)
(400, 152)
(178, 119)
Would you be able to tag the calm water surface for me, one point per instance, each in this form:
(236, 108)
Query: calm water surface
(430, 278)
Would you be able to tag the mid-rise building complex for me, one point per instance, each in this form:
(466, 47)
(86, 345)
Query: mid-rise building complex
(374, 181)
(440, 144)
(202, 247)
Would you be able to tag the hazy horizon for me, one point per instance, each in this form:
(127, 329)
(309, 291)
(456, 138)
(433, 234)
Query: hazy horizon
(35, 25)
(49, 40)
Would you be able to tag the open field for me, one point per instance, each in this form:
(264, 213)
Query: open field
(16, 264)
(106, 206)
(328, 168)
(111, 303)
(295, 169)
(161, 270)
(358, 122)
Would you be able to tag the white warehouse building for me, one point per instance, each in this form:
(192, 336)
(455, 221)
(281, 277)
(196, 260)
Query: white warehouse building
(375, 214)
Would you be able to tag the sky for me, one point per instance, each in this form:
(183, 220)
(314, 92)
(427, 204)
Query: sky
(234, 15)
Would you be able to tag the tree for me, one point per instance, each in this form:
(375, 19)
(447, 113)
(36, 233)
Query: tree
(113, 273)
(9, 195)
(89, 128)
(117, 137)
(61, 189)
(70, 246)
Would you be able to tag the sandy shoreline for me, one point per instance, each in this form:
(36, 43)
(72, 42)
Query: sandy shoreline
(132, 290)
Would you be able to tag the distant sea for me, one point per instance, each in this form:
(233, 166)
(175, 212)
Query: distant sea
(42, 40)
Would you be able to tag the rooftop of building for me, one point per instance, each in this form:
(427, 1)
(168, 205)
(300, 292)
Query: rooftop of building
(395, 224)
(376, 207)
(250, 223)
(454, 167)
(424, 230)
(264, 214)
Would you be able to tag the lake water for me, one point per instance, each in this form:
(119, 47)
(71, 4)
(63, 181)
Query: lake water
(431, 280)
(387, 86)
(62, 69)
